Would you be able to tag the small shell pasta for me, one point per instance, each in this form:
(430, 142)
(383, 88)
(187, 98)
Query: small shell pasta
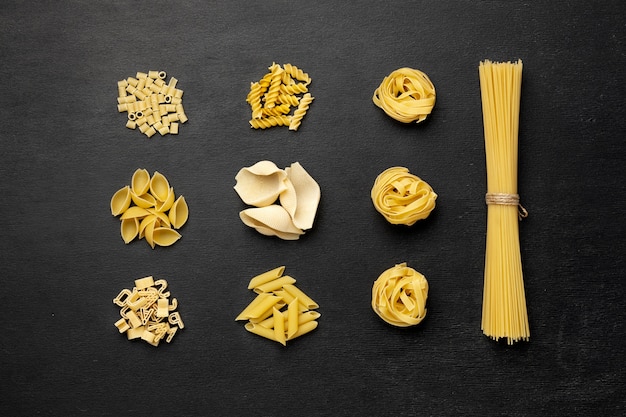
(156, 213)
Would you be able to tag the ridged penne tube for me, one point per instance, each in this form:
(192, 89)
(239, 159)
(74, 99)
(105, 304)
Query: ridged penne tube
(164, 236)
(301, 296)
(268, 314)
(266, 277)
(261, 331)
(308, 195)
(303, 317)
(292, 318)
(120, 201)
(272, 220)
(129, 229)
(279, 327)
(260, 184)
(304, 329)
(274, 284)
(261, 304)
(179, 213)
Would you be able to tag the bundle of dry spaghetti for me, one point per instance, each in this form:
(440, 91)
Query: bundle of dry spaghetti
(504, 312)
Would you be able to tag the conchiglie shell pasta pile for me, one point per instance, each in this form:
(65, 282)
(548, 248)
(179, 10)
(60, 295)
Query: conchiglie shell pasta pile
(285, 201)
(149, 209)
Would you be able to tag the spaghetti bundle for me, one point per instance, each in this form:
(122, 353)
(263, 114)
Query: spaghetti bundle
(504, 312)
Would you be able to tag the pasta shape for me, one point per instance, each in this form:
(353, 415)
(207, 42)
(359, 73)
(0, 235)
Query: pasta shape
(401, 197)
(299, 113)
(504, 312)
(273, 97)
(264, 185)
(147, 312)
(399, 296)
(146, 99)
(407, 95)
(155, 215)
(270, 315)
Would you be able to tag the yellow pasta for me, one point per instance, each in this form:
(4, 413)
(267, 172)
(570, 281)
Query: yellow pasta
(504, 313)
(146, 312)
(399, 296)
(299, 113)
(265, 315)
(272, 98)
(155, 214)
(263, 185)
(407, 95)
(146, 98)
(401, 197)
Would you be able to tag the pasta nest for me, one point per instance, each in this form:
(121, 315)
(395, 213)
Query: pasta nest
(399, 296)
(401, 197)
(406, 95)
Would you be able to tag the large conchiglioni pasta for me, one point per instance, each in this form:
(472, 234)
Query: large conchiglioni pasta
(401, 197)
(260, 184)
(399, 296)
(156, 212)
(407, 95)
(285, 201)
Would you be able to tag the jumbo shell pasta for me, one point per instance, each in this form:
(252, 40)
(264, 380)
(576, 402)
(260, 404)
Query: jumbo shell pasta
(401, 197)
(156, 213)
(285, 201)
(399, 296)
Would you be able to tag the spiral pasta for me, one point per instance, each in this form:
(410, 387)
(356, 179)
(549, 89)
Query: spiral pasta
(406, 95)
(401, 197)
(399, 296)
(274, 96)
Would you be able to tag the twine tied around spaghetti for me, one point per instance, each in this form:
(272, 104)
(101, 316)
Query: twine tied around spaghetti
(505, 199)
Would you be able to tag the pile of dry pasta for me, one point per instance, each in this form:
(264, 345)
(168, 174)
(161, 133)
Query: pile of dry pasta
(149, 209)
(273, 97)
(406, 95)
(152, 104)
(147, 312)
(280, 311)
(285, 200)
(504, 312)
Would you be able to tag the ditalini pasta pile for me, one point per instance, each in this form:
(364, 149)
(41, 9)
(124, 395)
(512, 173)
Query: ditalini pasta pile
(273, 97)
(401, 197)
(406, 95)
(285, 200)
(147, 312)
(504, 302)
(399, 296)
(149, 209)
(152, 104)
(280, 311)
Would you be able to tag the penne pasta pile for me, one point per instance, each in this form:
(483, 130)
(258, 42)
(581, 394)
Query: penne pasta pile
(280, 311)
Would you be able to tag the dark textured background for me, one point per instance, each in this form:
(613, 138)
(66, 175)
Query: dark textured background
(65, 151)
